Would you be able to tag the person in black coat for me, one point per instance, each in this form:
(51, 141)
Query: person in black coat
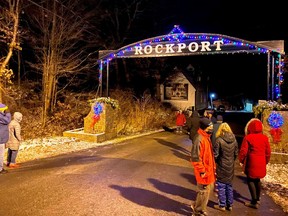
(192, 124)
(219, 121)
(225, 152)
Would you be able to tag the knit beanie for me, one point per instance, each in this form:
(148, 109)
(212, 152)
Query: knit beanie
(3, 107)
(18, 116)
(204, 123)
(219, 118)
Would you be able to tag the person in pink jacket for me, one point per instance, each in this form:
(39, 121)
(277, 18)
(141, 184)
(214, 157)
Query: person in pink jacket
(254, 155)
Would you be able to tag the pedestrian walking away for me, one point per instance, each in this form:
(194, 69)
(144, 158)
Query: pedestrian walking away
(225, 153)
(13, 143)
(192, 124)
(180, 121)
(254, 155)
(219, 121)
(5, 119)
(202, 159)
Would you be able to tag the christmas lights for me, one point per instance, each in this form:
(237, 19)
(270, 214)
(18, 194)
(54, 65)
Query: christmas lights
(275, 120)
(177, 38)
(179, 43)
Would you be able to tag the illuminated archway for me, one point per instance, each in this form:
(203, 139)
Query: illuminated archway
(178, 43)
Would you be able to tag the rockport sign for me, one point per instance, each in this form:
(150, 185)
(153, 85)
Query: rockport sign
(174, 48)
(187, 44)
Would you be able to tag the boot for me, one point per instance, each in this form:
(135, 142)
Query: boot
(250, 205)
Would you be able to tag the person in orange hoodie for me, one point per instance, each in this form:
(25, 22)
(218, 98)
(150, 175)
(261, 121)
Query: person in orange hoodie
(202, 159)
(254, 156)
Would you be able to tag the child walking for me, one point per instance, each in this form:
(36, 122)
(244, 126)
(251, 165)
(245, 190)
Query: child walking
(13, 143)
(225, 152)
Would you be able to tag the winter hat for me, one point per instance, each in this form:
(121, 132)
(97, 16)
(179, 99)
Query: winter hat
(3, 107)
(254, 126)
(219, 118)
(204, 123)
(18, 116)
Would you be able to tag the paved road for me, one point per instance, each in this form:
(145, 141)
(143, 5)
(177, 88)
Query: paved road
(149, 175)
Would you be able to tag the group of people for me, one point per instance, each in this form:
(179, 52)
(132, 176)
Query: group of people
(213, 155)
(10, 137)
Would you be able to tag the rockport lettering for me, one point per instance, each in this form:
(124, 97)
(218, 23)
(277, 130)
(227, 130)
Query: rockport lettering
(203, 46)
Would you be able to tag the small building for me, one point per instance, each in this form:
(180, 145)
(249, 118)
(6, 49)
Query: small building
(184, 92)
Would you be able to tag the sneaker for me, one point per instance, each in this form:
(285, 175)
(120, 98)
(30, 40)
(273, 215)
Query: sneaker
(192, 207)
(229, 208)
(3, 171)
(203, 213)
(219, 207)
(13, 165)
(196, 213)
(250, 205)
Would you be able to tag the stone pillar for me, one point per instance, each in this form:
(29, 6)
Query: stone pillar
(106, 123)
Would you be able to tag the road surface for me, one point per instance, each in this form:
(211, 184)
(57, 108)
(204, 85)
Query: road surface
(149, 175)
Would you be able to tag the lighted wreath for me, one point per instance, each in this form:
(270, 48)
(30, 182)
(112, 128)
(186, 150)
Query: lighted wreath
(275, 120)
(98, 109)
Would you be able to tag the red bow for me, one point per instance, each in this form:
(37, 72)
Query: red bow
(95, 119)
(276, 134)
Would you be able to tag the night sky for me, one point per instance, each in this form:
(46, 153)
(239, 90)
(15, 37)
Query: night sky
(232, 74)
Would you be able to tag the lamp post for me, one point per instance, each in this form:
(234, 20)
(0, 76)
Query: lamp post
(212, 95)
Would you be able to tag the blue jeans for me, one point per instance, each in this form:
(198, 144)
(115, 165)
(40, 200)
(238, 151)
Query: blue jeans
(225, 194)
(11, 156)
(2, 152)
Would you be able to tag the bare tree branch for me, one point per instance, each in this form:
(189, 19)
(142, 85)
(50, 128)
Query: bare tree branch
(62, 46)
(9, 39)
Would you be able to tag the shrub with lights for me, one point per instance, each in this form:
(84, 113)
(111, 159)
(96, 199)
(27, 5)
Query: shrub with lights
(268, 106)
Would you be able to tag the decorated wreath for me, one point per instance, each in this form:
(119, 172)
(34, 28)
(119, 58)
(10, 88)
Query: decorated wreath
(275, 120)
(98, 107)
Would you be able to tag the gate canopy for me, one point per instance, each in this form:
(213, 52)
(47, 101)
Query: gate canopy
(178, 43)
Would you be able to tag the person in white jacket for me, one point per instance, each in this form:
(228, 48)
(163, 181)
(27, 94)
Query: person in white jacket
(13, 143)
